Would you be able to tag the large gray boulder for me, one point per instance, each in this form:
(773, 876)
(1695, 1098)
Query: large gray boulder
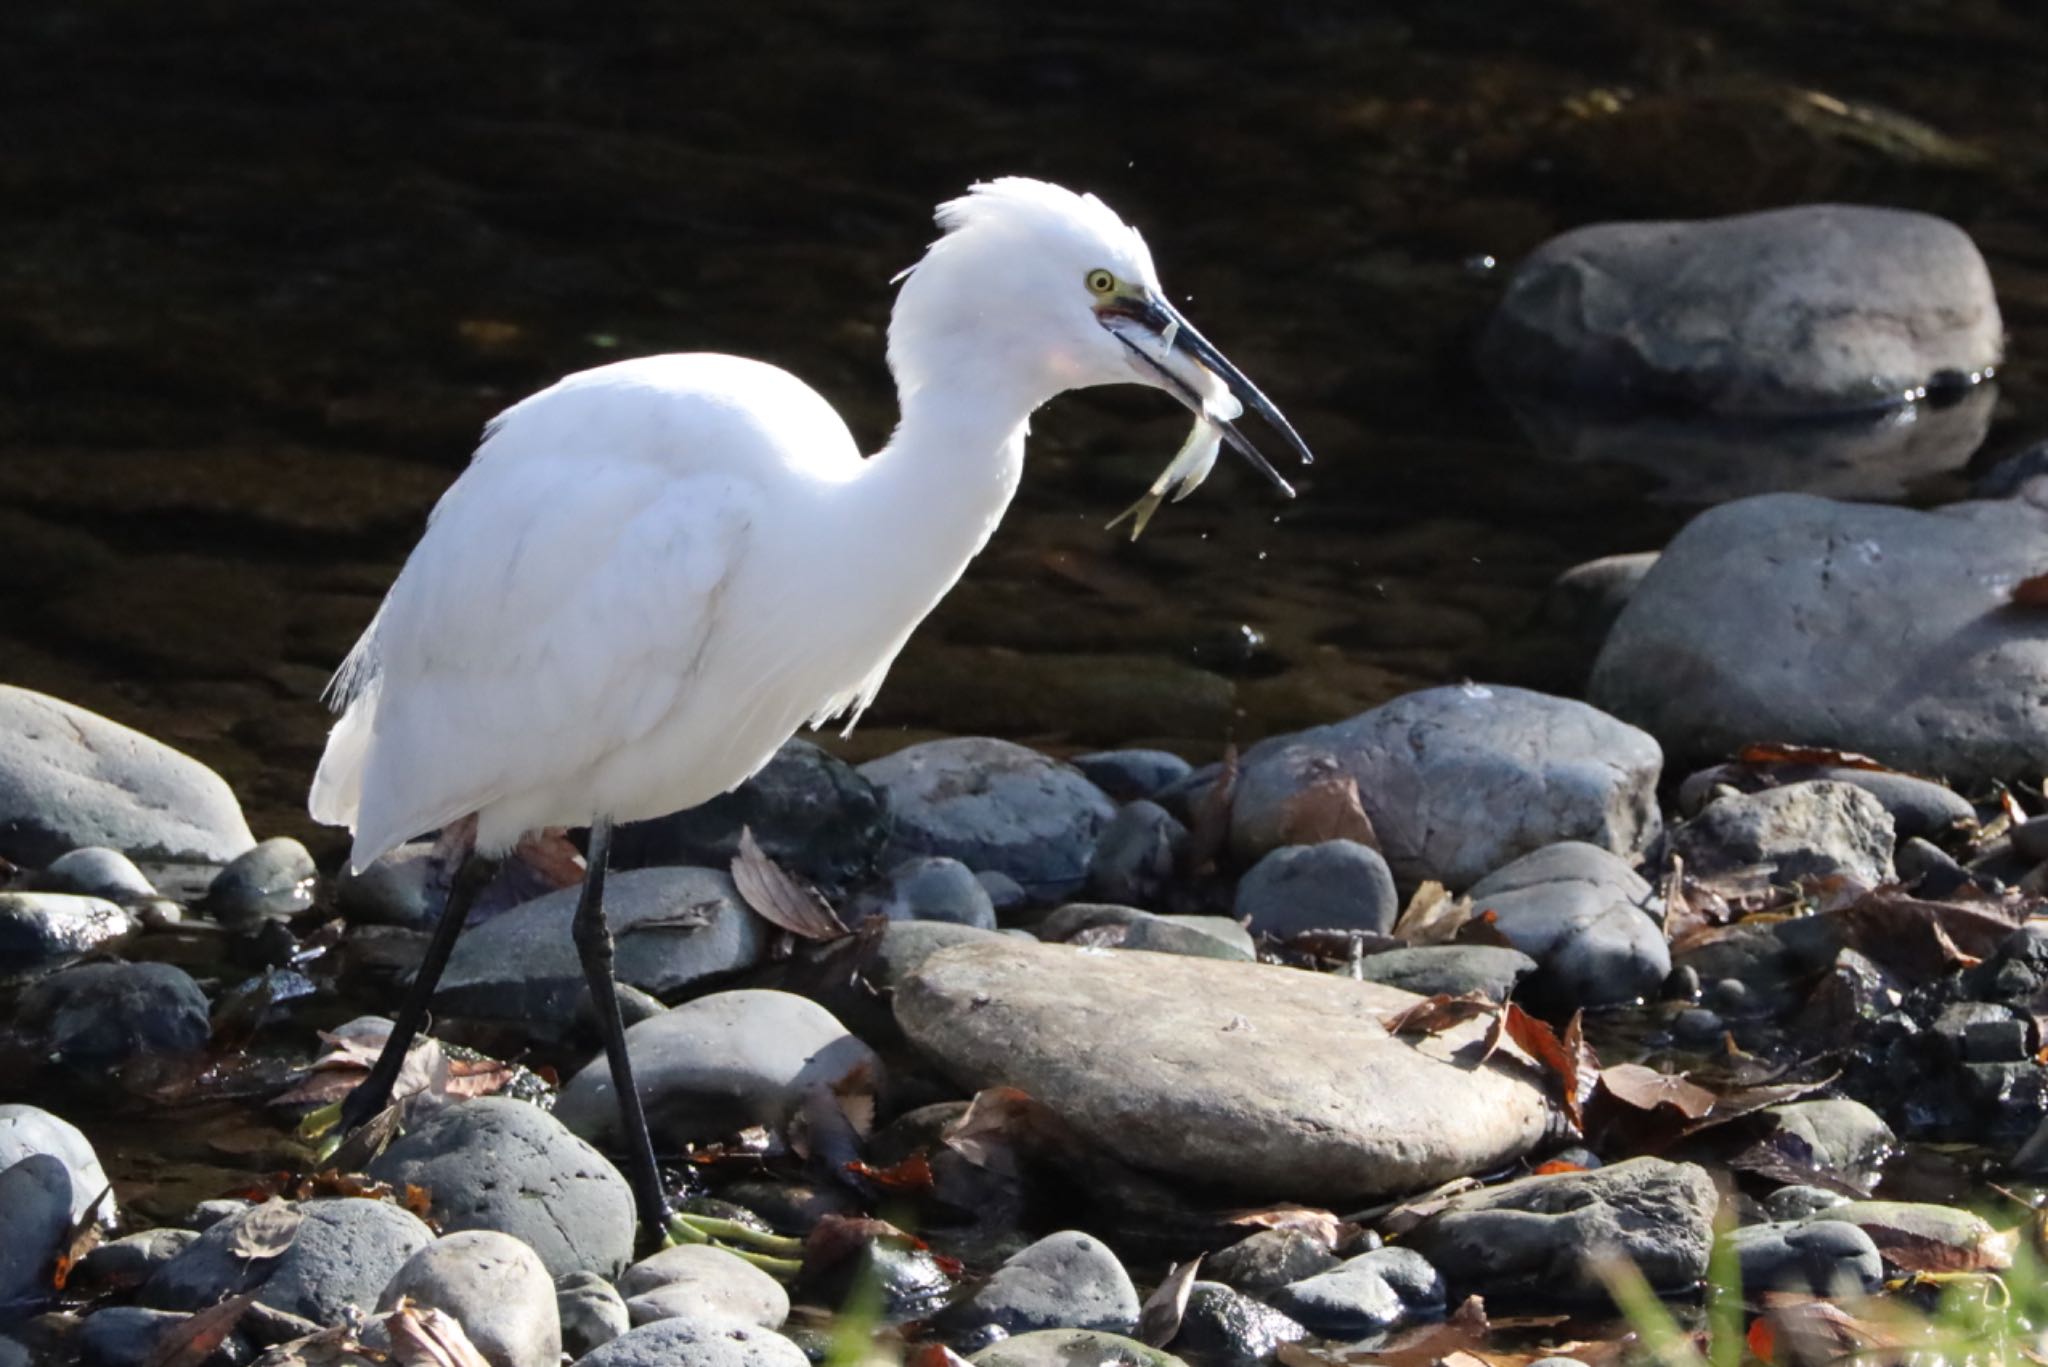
(1535, 1239)
(1817, 829)
(1814, 309)
(104, 1013)
(26, 1129)
(1270, 1082)
(713, 1066)
(497, 1163)
(1461, 779)
(69, 777)
(993, 806)
(1888, 631)
(674, 928)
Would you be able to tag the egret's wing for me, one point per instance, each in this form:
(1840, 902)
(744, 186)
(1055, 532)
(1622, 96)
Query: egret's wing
(554, 612)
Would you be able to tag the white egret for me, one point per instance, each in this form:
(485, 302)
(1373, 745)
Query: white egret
(653, 572)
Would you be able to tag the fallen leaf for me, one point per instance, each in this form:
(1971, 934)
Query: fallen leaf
(1555, 1166)
(1434, 1015)
(1465, 1329)
(80, 1239)
(1561, 1056)
(1321, 1225)
(1916, 1251)
(1921, 939)
(1432, 916)
(265, 1231)
(1646, 1089)
(1763, 1339)
(1159, 1319)
(933, 1355)
(426, 1337)
(1778, 752)
(1327, 807)
(194, 1340)
(779, 897)
(1786, 1158)
(372, 1137)
(2031, 592)
(913, 1174)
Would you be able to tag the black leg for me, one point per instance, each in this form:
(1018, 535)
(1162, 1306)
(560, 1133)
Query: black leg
(373, 1094)
(594, 946)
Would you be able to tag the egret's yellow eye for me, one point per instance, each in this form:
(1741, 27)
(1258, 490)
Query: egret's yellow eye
(1101, 282)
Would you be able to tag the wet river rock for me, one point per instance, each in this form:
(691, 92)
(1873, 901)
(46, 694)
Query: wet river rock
(40, 931)
(26, 1129)
(1813, 309)
(1459, 780)
(343, 1253)
(1066, 1280)
(692, 1342)
(1587, 919)
(69, 777)
(1888, 631)
(1271, 1082)
(494, 1286)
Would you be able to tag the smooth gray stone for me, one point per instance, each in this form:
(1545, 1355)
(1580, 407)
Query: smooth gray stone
(26, 1129)
(928, 888)
(1266, 1081)
(1798, 1201)
(41, 931)
(35, 1217)
(69, 777)
(1129, 775)
(272, 882)
(1225, 1326)
(1336, 885)
(1585, 917)
(705, 1282)
(494, 1286)
(1459, 780)
(124, 1335)
(523, 966)
(1071, 1348)
(343, 1254)
(713, 1066)
(993, 806)
(132, 1258)
(497, 1163)
(810, 812)
(1847, 1138)
(1816, 1257)
(207, 1214)
(591, 1311)
(1532, 1239)
(1066, 1280)
(96, 871)
(95, 1014)
(1203, 937)
(1814, 309)
(1802, 830)
(1919, 806)
(1365, 1294)
(1452, 969)
(397, 890)
(1888, 631)
(688, 1342)
(1270, 1259)
(1137, 854)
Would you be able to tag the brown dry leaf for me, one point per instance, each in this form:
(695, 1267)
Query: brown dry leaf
(989, 1132)
(426, 1337)
(913, 1174)
(1399, 1217)
(1787, 1159)
(1921, 939)
(1432, 916)
(1916, 1251)
(1434, 1015)
(1646, 1089)
(779, 897)
(195, 1340)
(1463, 1330)
(2031, 592)
(1327, 807)
(933, 1355)
(1160, 1318)
(1779, 752)
(1321, 1225)
(80, 1239)
(372, 1137)
(1561, 1056)
(266, 1231)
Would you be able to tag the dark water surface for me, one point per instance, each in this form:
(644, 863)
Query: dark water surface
(266, 268)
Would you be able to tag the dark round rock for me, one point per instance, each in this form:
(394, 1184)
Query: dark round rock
(1128, 775)
(1365, 1294)
(341, 1254)
(928, 888)
(1136, 854)
(1067, 1280)
(35, 1217)
(1336, 885)
(1226, 1326)
(107, 1012)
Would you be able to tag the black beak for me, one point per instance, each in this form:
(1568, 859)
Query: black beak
(1159, 321)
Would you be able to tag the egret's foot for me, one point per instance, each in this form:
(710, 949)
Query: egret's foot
(781, 1258)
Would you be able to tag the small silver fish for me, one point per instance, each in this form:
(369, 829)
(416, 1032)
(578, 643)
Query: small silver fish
(1189, 466)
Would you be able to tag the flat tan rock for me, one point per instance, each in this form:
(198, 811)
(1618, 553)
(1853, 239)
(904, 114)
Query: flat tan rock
(1269, 1082)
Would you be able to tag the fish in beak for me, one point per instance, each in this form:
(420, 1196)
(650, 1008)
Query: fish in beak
(1166, 351)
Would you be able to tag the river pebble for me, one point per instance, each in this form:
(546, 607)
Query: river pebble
(96, 871)
(1800, 831)
(1226, 1326)
(130, 1260)
(342, 1254)
(711, 1067)
(690, 1342)
(1132, 775)
(1270, 1259)
(591, 1313)
(1066, 1280)
(35, 1216)
(125, 1335)
(496, 1163)
(1137, 854)
(1365, 1295)
(1811, 1257)
(927, 888)
(272, 882)
(1106, 924)
(1588, 920)
(1335, 885)
(1455, 970)
(41, 931)
(706, 1282)
(102, 1013)
(494, 1286)
(26, 1129)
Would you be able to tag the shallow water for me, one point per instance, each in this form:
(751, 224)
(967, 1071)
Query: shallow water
(268, 268)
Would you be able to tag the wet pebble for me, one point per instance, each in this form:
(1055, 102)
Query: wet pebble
(273, 882)
(1226, 1326)
(131, 1259)
(96, 871)
(1067, 1280)
(1365, 1294)
(1131, 775)
(1585, 917)
(1136, 854)
(713, 1066)
(125, 1335)
(341, 1254)
(1797, 1201)
(928, 888)
(1066, 1347)
(497, 1163)
(41, 931)
(105, 1013)
(1335, 885)
(590, 1311)
(1270, 1259)
(494, 1286)
(35, 1217)
(1845, 1137)
(1816, 1257)
(691, 1342)
(1456, 970)
(399, 889)
(705, 1282)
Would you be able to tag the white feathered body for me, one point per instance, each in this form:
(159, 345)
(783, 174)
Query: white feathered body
(648, 577)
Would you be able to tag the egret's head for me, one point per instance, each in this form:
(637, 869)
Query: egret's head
(1036, 287)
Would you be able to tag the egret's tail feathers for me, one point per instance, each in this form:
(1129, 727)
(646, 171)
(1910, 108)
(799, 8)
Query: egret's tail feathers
(337, 794)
